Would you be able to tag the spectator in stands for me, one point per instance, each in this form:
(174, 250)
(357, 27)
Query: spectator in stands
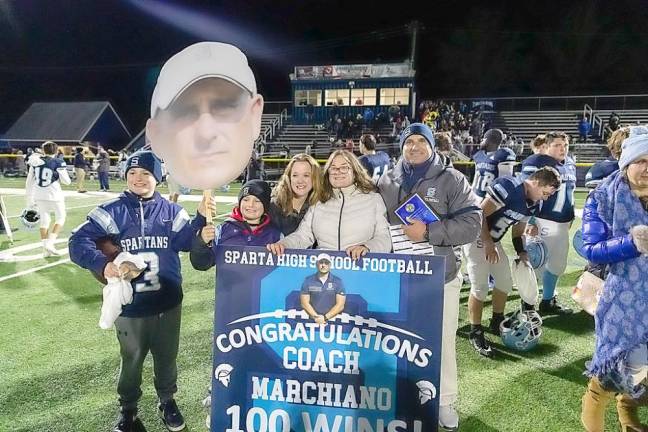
(360, 229)
(447, 192)
(476, 130)
(443, 142)
(376, 163)
(297, 190)
(615, 232)
(103, 170)
(368, 117)
(348, 145)
(80, 168)
(584, 128)
(614, 122)
(309, 111)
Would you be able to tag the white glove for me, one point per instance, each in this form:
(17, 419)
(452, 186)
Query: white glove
(639, 235)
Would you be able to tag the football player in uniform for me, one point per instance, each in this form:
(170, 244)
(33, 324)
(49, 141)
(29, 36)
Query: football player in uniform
(374, 162)
(490, 160)
(509, 202)
(43, 188)
(142, 222)
(555, 216)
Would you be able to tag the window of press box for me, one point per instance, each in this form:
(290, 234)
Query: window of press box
(305, 97)
(394, 96)
(339, 97)
(364, 96)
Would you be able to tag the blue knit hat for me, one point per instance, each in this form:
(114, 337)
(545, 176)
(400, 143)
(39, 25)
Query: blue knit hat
(635, 146)
(417, 129)
(147, 160)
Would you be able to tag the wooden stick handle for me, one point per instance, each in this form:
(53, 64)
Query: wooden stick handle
(207, 193)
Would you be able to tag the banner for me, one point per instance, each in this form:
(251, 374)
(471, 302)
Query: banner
(389, 70)
(315, 342)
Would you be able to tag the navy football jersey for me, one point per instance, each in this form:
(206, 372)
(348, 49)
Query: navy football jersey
(156, 230)
(508, 192)
(560, 206)
(487, 168)
(600, 171)
(375, 164)
(47, 173)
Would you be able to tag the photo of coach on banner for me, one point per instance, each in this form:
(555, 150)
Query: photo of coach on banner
(372, 365)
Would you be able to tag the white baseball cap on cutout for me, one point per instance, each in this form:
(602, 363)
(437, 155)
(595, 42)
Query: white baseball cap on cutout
(198, 61)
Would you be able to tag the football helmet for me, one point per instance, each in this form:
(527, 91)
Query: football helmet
(577, 243)
(521, 330)
(537, 251)
(30, 217)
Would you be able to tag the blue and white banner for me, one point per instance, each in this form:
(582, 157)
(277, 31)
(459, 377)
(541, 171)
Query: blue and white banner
(315, 342)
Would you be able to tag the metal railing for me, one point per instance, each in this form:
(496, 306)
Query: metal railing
(561, 103)
(595, 119)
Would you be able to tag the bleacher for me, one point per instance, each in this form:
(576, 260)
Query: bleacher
(527, 124)
(298, 136)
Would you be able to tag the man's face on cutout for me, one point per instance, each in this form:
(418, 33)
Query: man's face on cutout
(207, 133)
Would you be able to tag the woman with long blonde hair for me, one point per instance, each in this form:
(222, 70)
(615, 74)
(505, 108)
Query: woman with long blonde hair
(298, 189)
(350, 216)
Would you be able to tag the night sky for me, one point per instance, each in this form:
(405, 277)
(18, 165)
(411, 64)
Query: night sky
(67, 50)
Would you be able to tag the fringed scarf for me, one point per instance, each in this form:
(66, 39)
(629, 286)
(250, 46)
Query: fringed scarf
(622, 314)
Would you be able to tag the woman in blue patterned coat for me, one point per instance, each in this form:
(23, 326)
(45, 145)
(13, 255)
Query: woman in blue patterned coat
(615, 232)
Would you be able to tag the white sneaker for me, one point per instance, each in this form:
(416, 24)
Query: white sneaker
(46, 252)
(448, 418)
(52, 251)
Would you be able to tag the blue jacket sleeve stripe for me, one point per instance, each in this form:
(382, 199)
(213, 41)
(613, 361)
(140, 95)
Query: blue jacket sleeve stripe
(104, 220)
(180, 220)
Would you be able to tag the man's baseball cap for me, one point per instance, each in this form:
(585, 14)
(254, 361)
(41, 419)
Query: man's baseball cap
(323, 257)
(198, 61)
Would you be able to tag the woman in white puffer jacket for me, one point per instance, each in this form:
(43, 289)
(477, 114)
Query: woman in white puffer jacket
(350, 215)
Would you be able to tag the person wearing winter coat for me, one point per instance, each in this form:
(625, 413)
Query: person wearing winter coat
(350, 215)
(420, 170)
(615, 232)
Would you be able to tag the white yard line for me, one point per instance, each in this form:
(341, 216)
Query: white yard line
(35, 269)
(104, 195)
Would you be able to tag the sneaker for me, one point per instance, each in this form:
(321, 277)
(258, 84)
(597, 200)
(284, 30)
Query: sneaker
(494, 325)
(480, 343)
(448, 418)
(552, 307)
(52, 251)
(171, 416)
(126, 421)
(526, 306)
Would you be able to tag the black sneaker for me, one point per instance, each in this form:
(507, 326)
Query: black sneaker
(494, 325)
(171, 416)
(480, 343)
(526, 306)
(552, 307)
(126, 421)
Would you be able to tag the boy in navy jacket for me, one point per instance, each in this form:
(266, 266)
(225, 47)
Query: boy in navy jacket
(248, 225)
(142, 222)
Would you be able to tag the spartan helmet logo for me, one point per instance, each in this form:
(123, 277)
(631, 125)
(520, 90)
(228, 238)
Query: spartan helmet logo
(222, 373)
(427, 391)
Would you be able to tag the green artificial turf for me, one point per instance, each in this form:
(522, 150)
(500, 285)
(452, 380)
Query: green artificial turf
(58, 369)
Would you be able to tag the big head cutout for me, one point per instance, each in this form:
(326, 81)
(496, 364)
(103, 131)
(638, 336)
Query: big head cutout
(205, 115)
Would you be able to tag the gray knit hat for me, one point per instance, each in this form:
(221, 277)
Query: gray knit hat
(635, 146)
